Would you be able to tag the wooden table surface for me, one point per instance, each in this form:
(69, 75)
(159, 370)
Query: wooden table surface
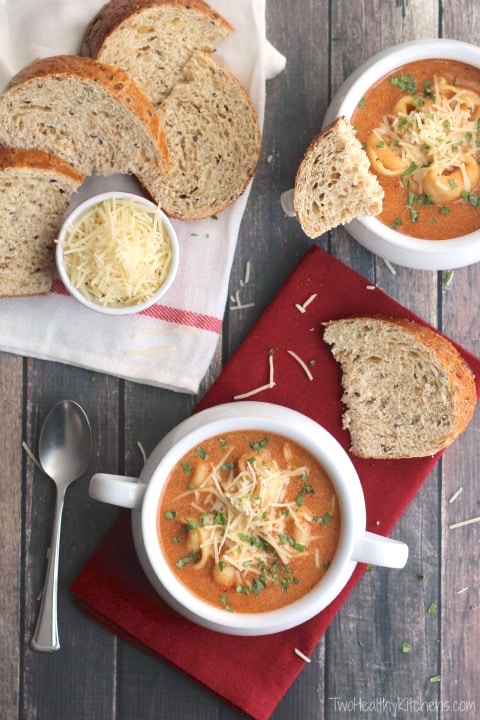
(95, 676)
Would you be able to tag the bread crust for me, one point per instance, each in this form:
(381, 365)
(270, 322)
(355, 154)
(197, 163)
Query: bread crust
(365, 192)
(38, 160)
(459, 373)
(114, 13)
(115, 81)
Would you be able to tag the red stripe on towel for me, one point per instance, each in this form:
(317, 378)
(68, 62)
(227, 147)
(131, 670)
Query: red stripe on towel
(167, 314)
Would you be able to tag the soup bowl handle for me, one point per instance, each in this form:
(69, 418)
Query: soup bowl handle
(118, 490)
(378, 550)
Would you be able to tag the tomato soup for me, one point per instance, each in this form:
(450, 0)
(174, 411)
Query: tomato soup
(420, 126)
(249, 521)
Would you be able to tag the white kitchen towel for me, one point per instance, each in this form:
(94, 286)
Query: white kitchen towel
(172, 344)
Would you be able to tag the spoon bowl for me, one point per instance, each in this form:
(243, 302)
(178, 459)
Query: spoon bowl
(65, 450)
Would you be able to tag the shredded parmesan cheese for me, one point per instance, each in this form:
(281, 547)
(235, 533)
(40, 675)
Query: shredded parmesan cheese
(246, 515)
(31, 456)
(261, 388)
(464, 522)
(459, 592)
(456, 494)
(301, 363)
(301, 655)
(142, 451)
(390, 266)
(118, 253)
(151, 351)
(302, 308)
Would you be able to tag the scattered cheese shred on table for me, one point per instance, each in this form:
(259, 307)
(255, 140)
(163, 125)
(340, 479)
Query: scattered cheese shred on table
(301, 655)
(301, 363)
(464, 522)
(302, 308)
(455, 495)
(118, 252)
(261, 388)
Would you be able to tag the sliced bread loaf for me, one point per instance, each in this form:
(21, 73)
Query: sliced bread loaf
(213, 139)
(211, 126)
(333, 184)
(35, 190)
(407, 390)
(90, 114)
(153, 39)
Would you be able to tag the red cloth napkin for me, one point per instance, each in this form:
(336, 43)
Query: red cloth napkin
(112, 586)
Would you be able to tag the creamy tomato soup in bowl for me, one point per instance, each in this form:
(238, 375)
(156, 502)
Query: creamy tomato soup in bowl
(248, 518)
(416, 109)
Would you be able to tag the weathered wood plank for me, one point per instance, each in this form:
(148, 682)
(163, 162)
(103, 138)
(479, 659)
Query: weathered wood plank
(11, 385)
(77, 680)
(364, 658)
(459, 610)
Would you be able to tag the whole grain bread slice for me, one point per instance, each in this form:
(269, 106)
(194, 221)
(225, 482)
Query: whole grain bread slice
(35, 190)
(213, 138)
(211, 126)
(92, 115)
(153, 39)
(334, 185)
(408, 392)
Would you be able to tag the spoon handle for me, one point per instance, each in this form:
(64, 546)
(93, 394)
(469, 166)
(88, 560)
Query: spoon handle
(45, 638)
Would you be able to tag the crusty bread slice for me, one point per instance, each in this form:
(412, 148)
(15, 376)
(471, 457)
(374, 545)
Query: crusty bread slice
(212, 129)
(334, 185)
(407, 390)
(35, 190)
(92, 115)
(213, 138)
(153, 39)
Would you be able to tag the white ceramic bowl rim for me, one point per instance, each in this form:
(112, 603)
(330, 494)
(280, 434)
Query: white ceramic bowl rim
(437, 254)
(78, 212)
(352, 507)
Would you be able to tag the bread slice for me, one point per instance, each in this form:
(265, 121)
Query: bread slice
(334, 185)
(213, 138)
(90, 114)
(35, 190)
(211, 126)
(407, 391)
(153, 39)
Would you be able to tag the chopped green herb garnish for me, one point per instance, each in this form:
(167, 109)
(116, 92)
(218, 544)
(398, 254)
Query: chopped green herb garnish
(175, 539)
(411, 168)
(243, 589)
(223, 442)
(444, 210)
(227, 466)
(327, 564)
(406, 647)
(201, 453)
(259, 445)
(170, 514)
(432, 608)
(183, 561)
(219, 519)
(405, 82)
(396, 223)
(299, 500)
(435, 678)
(380, 144)
(362, 103)
(214, 217)
(187, 467)
(325, 519)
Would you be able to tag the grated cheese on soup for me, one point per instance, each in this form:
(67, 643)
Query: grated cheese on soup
(118, 253)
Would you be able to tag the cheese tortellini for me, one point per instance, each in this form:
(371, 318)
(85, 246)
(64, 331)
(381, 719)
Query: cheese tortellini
(429, 142)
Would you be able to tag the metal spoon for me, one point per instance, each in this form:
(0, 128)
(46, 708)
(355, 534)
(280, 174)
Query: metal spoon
(64, 449)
